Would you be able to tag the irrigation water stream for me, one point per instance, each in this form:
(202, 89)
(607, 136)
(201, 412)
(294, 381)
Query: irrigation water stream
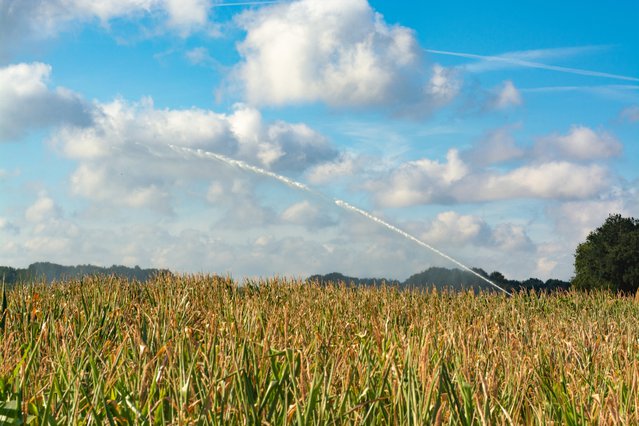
(340, 203)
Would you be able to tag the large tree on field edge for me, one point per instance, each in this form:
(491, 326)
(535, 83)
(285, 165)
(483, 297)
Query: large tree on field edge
(609, 258)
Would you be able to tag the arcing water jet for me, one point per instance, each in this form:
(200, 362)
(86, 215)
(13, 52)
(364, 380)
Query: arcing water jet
(340, 203)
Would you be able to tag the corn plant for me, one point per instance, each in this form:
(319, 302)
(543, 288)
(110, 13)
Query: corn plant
(206, 350)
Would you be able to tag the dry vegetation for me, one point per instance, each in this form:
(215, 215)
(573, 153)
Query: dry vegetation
(203, 350)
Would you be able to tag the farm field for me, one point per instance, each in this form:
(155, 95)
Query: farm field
(205, 350)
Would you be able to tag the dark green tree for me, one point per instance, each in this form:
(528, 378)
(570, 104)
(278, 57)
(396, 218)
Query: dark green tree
(609, 258)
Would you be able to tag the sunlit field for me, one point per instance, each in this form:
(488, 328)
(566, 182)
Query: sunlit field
(205, 350)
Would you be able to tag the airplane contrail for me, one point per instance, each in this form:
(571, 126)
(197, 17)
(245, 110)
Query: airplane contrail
(531, 64)
(620, 87)
(247, 3)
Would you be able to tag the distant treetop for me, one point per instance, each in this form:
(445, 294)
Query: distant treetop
(609, 258)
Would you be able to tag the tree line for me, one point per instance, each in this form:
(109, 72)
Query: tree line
(49, 272)
(449, 279)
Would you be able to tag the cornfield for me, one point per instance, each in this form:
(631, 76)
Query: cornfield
(205, 350)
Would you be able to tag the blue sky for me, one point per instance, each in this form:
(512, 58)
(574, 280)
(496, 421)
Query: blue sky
(499, 133)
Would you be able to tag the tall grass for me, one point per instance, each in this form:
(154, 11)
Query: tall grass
(203, 350)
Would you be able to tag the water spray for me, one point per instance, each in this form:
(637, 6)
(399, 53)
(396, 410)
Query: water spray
(340, 203)
(345, 205)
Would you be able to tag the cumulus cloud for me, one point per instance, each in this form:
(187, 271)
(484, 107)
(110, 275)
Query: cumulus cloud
(455, 230)
(200, 56)
(420, 181)
(553, 180)
(496, 147)
(631, 113)
(581, 143)
(509, 237)
(186, 15)
(45, 231)
(6, 175)
(47, 246)
(339, 52)
(351, 244)
(122, 183)
(343, 166)
(506, 96)
(201, 243)
(43, 208)
(26, 101)
(545, 267)
(452, 228)
(7, 226)
(560, 167)
(312, 216)
(235, 197)
(454, 181)
(444, 85)
(124, 157)
(576, 219)
(504, 246)
(21, 20)
(480, 100)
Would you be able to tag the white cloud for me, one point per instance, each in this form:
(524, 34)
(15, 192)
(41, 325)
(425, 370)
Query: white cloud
(187, 15)
(22, 20)
(631, 113)
(42, 209)
(7, 226)
(250, 239)
(336, 51)
(113, 183)
(497, 147)
(581, 143)
(312, 216)
(426, 181)
(124, 158)
(509, 237)
(103, 10)
(562, 167)
(200, 56)
(199, 240)
(420, 181)
(444, 85)
(238, 205)
(27, 103)
(452, 228)
(341, 167)
(559, 180)
(506, 96)
(48, 245)
(576, 219)
(44, 232)
(478, 100)
(295, 147)
(545, 267)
